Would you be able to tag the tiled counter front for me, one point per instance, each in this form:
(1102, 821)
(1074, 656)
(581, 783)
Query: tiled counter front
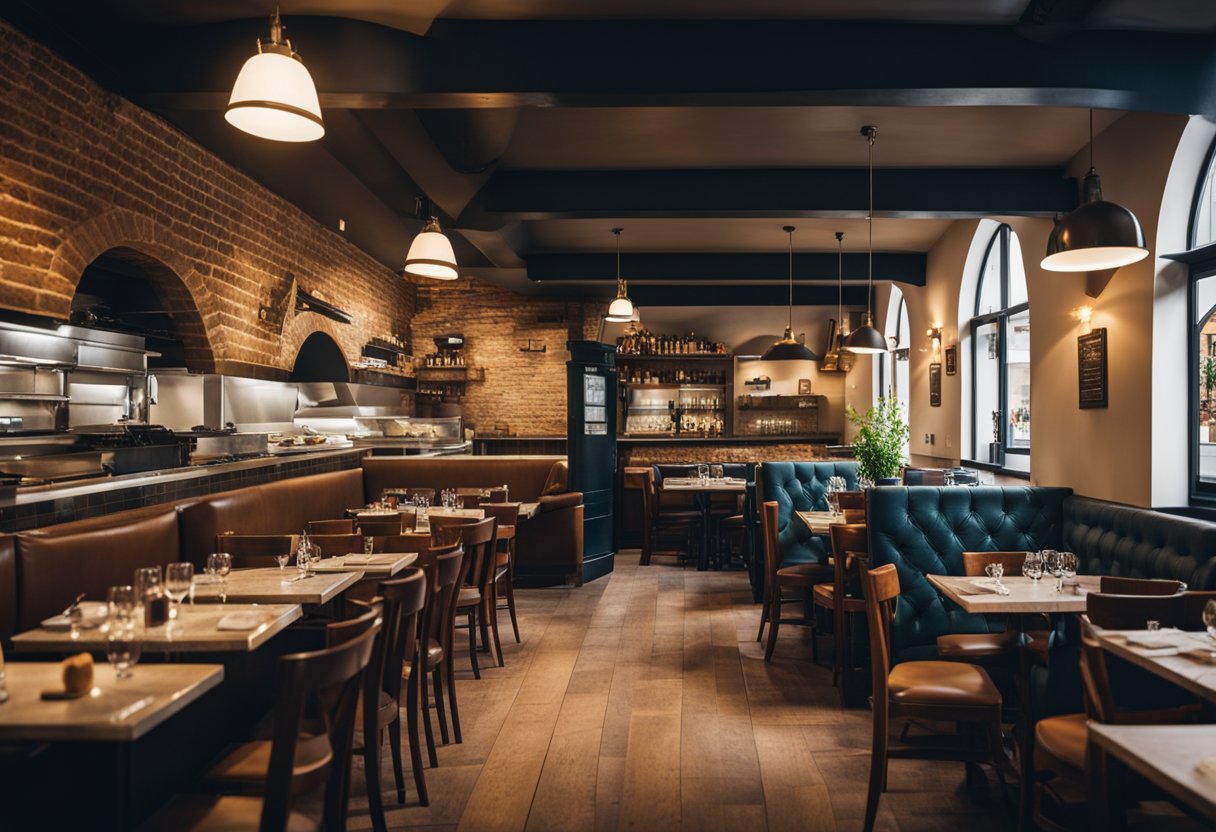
(31, 509)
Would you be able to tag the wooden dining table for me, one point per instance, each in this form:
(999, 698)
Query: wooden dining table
(819, 522)
(271, 585)
(357, 567)
(195, 630)
(1169, 756)
(695, 485)
(1186, 658)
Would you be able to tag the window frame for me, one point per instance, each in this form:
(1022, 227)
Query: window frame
(1201, 492)
(1001, 239)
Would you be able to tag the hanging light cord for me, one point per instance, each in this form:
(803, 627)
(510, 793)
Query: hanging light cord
(1091, 138)
(839, 280)
(790, 231)
(619, 283)
(870, 134)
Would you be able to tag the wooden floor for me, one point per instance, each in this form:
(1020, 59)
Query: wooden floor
(642, 701)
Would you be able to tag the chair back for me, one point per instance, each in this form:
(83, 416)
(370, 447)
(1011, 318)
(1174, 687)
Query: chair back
(974, 563)
(332, 545)
(428, 493)
(1095, 681)
(470, 500)
(480, 539)
(255, 550)
(499, 495)
(851, 499)
(507, 514)
(404, 598)
(1193, 603)
(400, 543)
(882, 591)
(772, 548)
(329, 679)
(340, 632)
(854, 516)
(1130, 612)
(345, 526)
(848, 541)
(1116, 585)
(446, 529)
(643, 480)
(380, 528)
(446, 575)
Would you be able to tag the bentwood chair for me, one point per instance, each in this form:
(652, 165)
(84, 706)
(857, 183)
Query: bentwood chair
(435, 650)
(507, 515)
(328, 680)
(447, 530)
(842, 597)
(344, 526)
(800, 578)
(475, 600)
(929, 690)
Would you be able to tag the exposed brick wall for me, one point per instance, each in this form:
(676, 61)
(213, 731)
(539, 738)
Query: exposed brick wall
(83, 171)
(526, 391)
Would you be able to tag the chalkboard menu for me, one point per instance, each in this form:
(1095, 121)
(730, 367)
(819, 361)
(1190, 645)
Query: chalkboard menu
(1091, 369)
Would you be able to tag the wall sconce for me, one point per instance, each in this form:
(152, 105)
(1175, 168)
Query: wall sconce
(935, 336)
(1085, 315)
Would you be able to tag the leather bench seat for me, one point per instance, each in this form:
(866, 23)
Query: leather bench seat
(800, 486)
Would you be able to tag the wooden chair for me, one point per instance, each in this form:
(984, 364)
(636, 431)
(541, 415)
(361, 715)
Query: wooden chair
(380, 528)
(801, 577)
(854, 516)
(446, 572)
(447, 530)
(930, 690)
(344, 526)
(475, 601)
(507, 515)
(470, 500)
(329, 680)
(851, 499)
(654, 524)
(842, 596)
(988, 647)
(401, 543)
(1116, 585)
(255, 550)
(332, 545)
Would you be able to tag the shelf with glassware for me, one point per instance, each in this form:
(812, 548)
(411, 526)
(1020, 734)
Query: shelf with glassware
(675, 408)
(778, 415)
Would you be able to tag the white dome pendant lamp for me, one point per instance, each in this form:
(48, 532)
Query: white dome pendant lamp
(621, 310)
(866, 340)
(274, 96)
(788, 348)
(430, 253)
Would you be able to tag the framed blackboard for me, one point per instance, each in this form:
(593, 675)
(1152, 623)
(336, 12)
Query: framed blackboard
(951, 360)
(1091, 370)
(935, 385)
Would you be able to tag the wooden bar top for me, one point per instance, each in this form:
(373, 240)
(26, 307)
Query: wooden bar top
(271, 585)
(1025, 595)
(194, 631)
(114, 711)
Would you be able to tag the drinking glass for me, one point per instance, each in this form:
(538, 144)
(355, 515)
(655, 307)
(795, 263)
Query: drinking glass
(178, 578)
(1068, 565)
(702, 472)
(282, 559)
(1051, 563)
(1032, 566)
(996, 571)
(147, 583)
(368, 544)
(715, 471)
(120, 602)
(123, 650)
(1209, 617)
(219, 564)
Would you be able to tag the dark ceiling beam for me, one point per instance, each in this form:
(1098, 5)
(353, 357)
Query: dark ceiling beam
(808, 192)
(695, 267)
(679, 63)
(742, 295)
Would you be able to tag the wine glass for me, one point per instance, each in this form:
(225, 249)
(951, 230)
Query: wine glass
(1068, 566)
(178, 578)
(716, 472)
(369, 544)
(120, 603)
(1051, 565)
(219, 564)
(282, 558)
(123, 649)
(1209, 617)
(702, 472)
(303, 559)
(147, 583)
(1032, 566)
(995, 571)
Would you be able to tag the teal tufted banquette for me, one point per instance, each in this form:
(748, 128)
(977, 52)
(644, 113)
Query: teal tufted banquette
(800, 486)
(925, 530)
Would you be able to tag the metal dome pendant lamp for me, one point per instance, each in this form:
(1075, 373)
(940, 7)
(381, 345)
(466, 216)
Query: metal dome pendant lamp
(866, 340)
(621, 310)
(274, 96)
(431, 253)
(788, 348)
(1097, 234)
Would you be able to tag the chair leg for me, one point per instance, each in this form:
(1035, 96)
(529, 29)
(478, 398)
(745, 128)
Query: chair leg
(411, 724)
(878, 768)
(437, 681)
(473, 642)
(763, 619)
(492, 615)
(451, 669)
(814, 626)
(432, 755)
(509, 586)
(483, 624)
(774, 623)
(371, 767)
(998, 756)
(394, 739)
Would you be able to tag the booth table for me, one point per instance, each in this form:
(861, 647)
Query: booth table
(694, 485)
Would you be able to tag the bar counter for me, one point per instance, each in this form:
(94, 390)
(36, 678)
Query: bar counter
(44, 505)
(648, 450)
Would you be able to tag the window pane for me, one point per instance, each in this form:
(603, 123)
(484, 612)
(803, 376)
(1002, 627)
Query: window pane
(988, 299)
(1017, 272)
(1205, 223)
(1206, 359)
(986, 339)
(904, 327)
(1017, 394)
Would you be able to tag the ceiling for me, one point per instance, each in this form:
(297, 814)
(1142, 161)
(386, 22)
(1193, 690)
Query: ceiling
(701, 128)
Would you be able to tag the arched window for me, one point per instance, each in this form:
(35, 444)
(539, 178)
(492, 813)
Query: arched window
(1000, 358)
(1202, 316)
(893, 368)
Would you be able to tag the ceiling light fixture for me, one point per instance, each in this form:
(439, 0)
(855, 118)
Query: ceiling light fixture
(788, 348)
(866, 340)
(620, 311)
(430, 253)
(1097, 234)
(274, 97)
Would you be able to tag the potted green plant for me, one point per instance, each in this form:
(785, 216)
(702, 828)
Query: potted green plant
(1207, 405)
(879, 446)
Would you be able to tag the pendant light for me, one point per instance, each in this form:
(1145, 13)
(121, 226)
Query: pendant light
(621, 310)
(1097, 234)
(866, 340)
(839, 287)
(788, 348)
(274, 96)
(430, 253)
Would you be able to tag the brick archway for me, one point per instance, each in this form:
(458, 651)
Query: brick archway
(140, 241)
(302, 326)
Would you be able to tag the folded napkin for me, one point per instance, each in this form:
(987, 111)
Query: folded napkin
(240, 621)
(1200, 654)
(981, 586)
(359, 560)
(93, 614)
(1155, 639)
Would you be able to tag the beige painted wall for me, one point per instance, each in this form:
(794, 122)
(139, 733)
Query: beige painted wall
(1099, 453)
